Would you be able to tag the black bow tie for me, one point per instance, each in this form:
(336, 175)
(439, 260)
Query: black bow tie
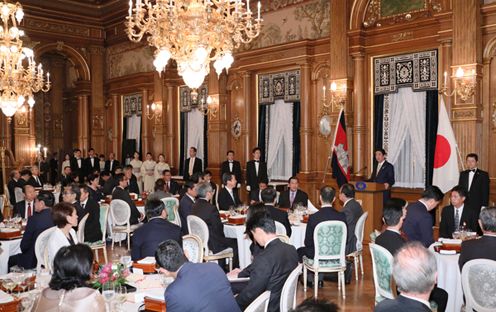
(256, 161)
(473, 170)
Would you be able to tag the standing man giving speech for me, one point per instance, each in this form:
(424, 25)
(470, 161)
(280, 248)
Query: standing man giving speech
(383, 173)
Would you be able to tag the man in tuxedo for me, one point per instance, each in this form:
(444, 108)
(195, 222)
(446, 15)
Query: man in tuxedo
(418, 221)
(457, 214)
(270, 268)
(203, 209)
(12, 184)
(485, 247)
(232, 166)
(228, 197)
(35, 180)
(256, 170)
(293, 196)
(186, 205)
(148, 237)
(92, 228)
(415, 274)
(171, 186)
(111, 164)
(72, 195)
(269, 199)
(476, 182)
(393, 215)
(192, 164)
(256, 195)
(196, 286)
(92, 163)
(120, 192)
(353, 211)
(25, 208)
(133, 181)
(77, 164)
(383, 173)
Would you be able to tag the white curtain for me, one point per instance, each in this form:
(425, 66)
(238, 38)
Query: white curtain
(195, 133)
(404, 132)
(134, 129)
(280, 140)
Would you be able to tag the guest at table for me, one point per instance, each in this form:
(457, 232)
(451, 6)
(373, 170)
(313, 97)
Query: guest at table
(293, 196)
(133, 181)
(69, 287)
(120, 192)
(256, 196)
(196, 286)
(111, 182)
(91, 163)
(186, 205)
(71, 195)
(160, 167)
(148, 173)
(207, 177)
(353, 211)
(92, 228)
(192, 164)
(25, 176)
(66, 176)
(136, 163)
(147, 238)
(484, 247)
(270, 268)
(457, 215)
(14, 177)
(111, 164)
(94, 187)
(35, 180)
(170, 186)
(255, 248)
(159, 191)
(37, 223)
(393, 215)
(256, 170)
(269, 199)
(25, 208)
(228, 197)
(64, 217)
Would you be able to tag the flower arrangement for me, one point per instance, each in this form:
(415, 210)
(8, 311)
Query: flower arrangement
(111, 273)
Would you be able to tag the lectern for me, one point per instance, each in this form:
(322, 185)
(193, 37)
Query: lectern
(370, 193)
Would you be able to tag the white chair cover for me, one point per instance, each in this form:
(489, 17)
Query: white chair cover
(280, 229)
(360, 226)
(19, 195)
(172, 206)
(382, 266)
(260, 304)
(192, 246)
(81, 226)
(120, 212)
(288, 293)
(479, 285)
(40, 248)
(198, 227)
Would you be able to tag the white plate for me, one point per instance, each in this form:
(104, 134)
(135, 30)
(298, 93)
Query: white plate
(9, 230)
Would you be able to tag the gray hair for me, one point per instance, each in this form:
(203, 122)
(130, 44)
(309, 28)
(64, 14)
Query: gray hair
(414, 269)
(203, 188)
(488, 219)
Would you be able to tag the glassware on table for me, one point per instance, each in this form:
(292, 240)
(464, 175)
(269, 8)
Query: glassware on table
(9, 285)
(27, 303)
(42, 279)
(126, 261)
(108, 293)
(232, 212)
(120, 296)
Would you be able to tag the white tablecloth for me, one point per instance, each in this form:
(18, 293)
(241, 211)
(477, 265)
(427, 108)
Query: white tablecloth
(449, 279)
(8, 248)
(136, 299)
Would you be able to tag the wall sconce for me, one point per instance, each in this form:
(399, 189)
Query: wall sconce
(335, 96)
(211, 107)
(465, 84)
(154, 111)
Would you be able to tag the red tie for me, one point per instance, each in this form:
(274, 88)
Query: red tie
(167, 187)
(30, 212)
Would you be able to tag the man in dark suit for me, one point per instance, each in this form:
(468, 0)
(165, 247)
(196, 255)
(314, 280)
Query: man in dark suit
(111, 164)
(72, 195)
(256, 171)
(171, 186)
(25, 208)
(203, 209)
(196, 286)
(121, 193)
(91, 163)
(383, 173)
(147, 238)
(35, 180)
(457, 214)
(270, 268)
(186, 205)
(192, 164)
(111, 183)
(228, 197)
(256, 195)
(12, 184)
(418, 221)
(353, 211)
(281, 216)
(54, 168)
(485, 247)
(66, 176)
(476, 182)
(293, 196)
(393, 216)
(133, 181)
(37, 223)
(232, 166)
(92, 228)
(77, 164)
(414, 271)
(25, 176)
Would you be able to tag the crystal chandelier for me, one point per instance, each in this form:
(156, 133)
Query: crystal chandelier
(193, 33)
(20, 77)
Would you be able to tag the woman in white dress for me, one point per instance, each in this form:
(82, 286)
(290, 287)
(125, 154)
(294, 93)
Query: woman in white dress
(137, 163)
(66, 162)
(65, 218)
(160, 167)
(148, 173)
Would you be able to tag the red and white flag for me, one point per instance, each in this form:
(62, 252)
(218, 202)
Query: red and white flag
(446, 172)
(340, 161)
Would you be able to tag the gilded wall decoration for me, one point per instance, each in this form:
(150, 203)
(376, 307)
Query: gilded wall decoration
(132, 104)
(186, 105)
(388, 12)
(395, 7)
(285, 86)
(128, 58)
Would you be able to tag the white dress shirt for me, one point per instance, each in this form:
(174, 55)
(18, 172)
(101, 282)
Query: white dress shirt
(257, 164)
(26, 210)
(417, 299)
(471, 175)
(191, 165)
(230, 166)
(379, 166)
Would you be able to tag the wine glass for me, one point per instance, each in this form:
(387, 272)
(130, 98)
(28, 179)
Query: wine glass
(27, 303)
(121, 296)
(9, 284)
(126, 261)
(108, 292)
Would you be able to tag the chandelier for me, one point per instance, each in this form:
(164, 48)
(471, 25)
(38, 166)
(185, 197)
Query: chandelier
(193, 33)
(20, 77)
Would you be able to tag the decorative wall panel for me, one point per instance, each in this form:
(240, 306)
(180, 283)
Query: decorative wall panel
(128, 58)
(186, 105)
(132, 104)
(276, 86)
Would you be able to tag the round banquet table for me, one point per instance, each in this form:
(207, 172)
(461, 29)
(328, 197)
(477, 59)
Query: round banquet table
(449, 279)
(8, 248)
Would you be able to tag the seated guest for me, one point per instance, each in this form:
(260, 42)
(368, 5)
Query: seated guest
(270, 268)
(203, 209)
(316, 305)
(133, 181)
(121, 193)
(415, 274)
(207, 177)
(25, 176)
(170, 186)
(64, 217)
(112, 182)
(293, 195)
(455, 215)
(35, 180)
(25, 208)
(158, 191)
(147, 238)
(255, 248)
(75, 177)
(485, 247)
(393, 216)
(104, 177)
(418, 221)
(353, 211)
(92, 228)
(228, 197)
(196, 286)
(72, 195)
(69, 288)
(186, 205)
(269, 198)
(66, 176)
(37, 223)
(256, 196)
(94, 187)
(12, 184)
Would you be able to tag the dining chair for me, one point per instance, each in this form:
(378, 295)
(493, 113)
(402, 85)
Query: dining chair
(120, 213)
(260, 304)
(19, 194)
(283, 237)
(193, 248)
(81, 226)
(288, 292)
(40, 249)
(172, 206)
(382, 265)
(357, 254)
(102, 243)
(280, 228)
(479, 285)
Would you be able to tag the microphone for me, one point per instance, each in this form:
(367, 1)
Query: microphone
(355, 173)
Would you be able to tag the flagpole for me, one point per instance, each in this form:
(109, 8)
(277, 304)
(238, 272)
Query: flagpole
(460, 157)
(329, 158)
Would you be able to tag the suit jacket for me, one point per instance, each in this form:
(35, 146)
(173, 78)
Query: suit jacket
(116, 163)
(133, 185)
(174, 187)
(11, 187)
(197, 167)
(482, 248)
(147, 238)
(225, 199)
(207, 212)
(390, 240)
(37, 223)
(385, 175)
(252, 179)
(280, 216)
(401, 303)
(79, 170)
(92, 228)
(447, 224)
(109, 186)
(478, 194)
(96, 195)
(326, 213)
(88, 168)
(236, 170)
(418, 224)
(353, 211)
(122, 194)
(200, 287)
(269, 271)
(32, 181)
(65, 180)
(256, 195)
(300, 198)
(58, 240)
(185, 208)
(20, 208)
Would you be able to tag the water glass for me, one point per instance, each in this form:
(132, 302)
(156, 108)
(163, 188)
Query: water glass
(126, 261)
(108, 293)
(120, 296)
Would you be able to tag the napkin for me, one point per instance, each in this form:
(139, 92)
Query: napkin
(450, 241)
(147, 260)
(8, 230)
(447, 252)
(4, 297)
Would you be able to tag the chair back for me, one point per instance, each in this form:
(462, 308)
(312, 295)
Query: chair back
(3, 200)
(373, 235)
(360, 202)
(277, 197)
(104, 212)
(330, 241)
(479, 285)
(120, 212)
(40, 247)
(198, 227)
(81, 226)
(192, 245)
(360, 226)
(284, 238)
(280, 228)
(260, 304)
(288, 293)
(19, 195)
(172, 206)
(382, 267)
